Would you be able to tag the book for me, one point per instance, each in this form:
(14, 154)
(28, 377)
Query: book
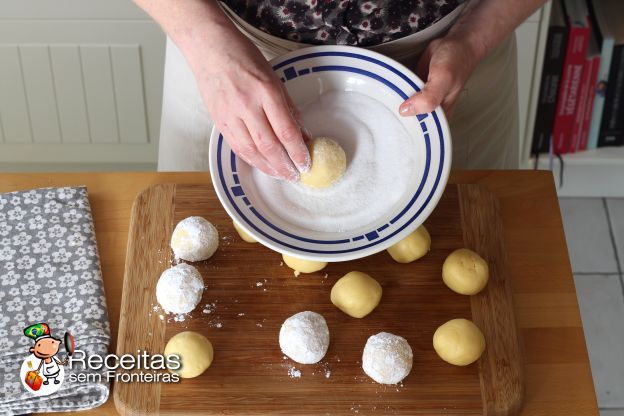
(577, 126)
(568, 98)
(591, 96)
(612, 125)
(590, 74)
(607, 26)
(556, 43)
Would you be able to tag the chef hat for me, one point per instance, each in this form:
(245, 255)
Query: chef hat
(38, 331)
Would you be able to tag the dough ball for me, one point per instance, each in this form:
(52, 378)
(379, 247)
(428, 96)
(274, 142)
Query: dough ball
(459, 342)
(329, 163)
(304, 337)
(303, 266)
(179, 288)
(465, 272)
(412, 247)
(194, 239)
(194, 351)
(356, 294)
(243, 234)
(387, 358)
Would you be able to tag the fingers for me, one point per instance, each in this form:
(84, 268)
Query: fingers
(438, 86)
(240, 141)
(270, 146)
(288, 131)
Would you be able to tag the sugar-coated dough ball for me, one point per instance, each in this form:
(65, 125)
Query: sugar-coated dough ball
(387, 358)
(303, 266)
(356, 294)
(179, 288)
(194, 351)
(459, 342)
(194, 239)
(304, 337)
(329, 163)
(412, 247)
(243, 234)
(465, 272)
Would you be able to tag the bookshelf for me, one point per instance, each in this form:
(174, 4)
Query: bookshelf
(591, 173)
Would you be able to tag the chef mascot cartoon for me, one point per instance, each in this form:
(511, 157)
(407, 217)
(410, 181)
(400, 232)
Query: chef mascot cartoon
(45, 349)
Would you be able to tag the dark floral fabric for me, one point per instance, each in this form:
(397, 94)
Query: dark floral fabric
(342, 22)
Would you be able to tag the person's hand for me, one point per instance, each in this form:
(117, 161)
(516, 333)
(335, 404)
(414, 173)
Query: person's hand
(446, 65)
(249, 105)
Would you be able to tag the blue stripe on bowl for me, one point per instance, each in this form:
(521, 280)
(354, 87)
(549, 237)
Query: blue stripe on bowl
(290, 73)
(349, 55)
(422, 182)
(238, 191)
(383, 227)
(233, 162)
(428, 157)
(361, 72)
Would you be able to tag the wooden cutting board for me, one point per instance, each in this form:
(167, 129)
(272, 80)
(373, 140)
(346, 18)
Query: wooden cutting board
(249, 293)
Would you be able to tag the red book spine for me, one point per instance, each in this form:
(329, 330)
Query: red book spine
(579, 114)
(589, 104)
(568, 98)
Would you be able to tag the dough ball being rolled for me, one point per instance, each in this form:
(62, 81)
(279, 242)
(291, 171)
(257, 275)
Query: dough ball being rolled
(465, 272)
(459, 342)
(179, 288)
(387, 358)
(194, 239)
(195, 353)
(304, 337)
(243, 234)
(356, 294)
(303, 266)
(412, 247)
(329, 163)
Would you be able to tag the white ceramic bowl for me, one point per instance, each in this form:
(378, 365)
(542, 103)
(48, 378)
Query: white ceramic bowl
(307, 73)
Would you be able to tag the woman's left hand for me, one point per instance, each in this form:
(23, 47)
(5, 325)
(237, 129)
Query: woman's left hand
(446, 64)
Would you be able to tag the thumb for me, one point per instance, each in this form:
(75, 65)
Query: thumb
(431, 96)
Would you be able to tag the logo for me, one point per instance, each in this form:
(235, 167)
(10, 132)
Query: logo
(42, 373)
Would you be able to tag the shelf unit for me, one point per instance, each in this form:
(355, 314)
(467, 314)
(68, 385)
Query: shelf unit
(592, 173)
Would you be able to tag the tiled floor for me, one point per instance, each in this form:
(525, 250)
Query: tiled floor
(594, 230)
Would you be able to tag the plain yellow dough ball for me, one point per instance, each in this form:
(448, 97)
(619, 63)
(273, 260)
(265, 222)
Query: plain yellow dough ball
(465, 272)
(329, 163)
(412, 247)
(459, 342)
(243, 234)
(303, 266)
(356, 294)
(194, 351)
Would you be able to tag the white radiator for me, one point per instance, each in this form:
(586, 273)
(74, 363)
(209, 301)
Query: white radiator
(80, 82)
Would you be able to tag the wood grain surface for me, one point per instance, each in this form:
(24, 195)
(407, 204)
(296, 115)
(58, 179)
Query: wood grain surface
(501, 365)
(249, 293)
(557, 374)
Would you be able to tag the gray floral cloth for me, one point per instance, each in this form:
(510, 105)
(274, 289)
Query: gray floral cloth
(50, 272)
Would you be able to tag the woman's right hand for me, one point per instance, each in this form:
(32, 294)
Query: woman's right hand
(249, 104)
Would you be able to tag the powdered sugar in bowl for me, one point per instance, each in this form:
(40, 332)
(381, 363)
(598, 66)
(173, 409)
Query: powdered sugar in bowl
(397, 167)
